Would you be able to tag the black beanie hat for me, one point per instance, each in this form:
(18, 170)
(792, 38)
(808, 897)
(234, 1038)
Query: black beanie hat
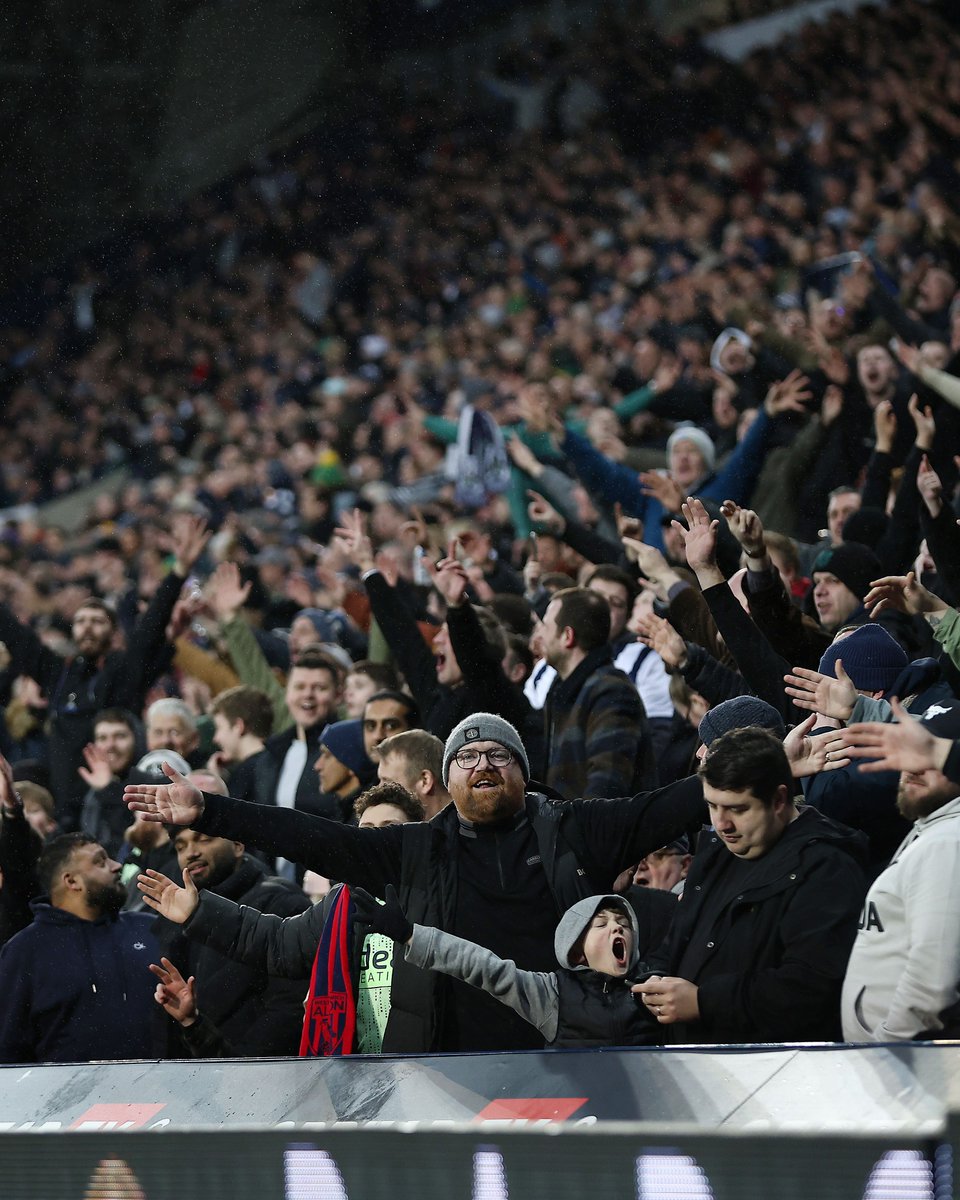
(854, 565)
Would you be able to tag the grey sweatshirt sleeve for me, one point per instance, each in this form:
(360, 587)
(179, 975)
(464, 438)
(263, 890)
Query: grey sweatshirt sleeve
(533, 994)
(866, 709)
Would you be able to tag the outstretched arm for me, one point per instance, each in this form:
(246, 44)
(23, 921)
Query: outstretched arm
(370, 857)
(532, 994)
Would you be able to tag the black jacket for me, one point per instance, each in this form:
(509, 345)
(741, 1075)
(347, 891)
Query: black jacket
(76, 689)
(770, 965)
(503, 887)
(253, 1013)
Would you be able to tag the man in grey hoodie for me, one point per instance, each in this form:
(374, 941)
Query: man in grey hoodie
(586, 1002)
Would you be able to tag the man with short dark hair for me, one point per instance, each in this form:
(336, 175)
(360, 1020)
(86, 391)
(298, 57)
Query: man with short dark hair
(384, 714)
(242, 722)
(77, 983)
(109, 759)
(312, 696)
(597, 738)
(759, 943)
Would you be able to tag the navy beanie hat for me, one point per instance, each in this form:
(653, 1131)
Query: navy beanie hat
(344, 740)
(870, 656)
(739, 713)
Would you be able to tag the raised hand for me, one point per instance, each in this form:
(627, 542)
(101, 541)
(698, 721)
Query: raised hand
(832, 405)
(909, 356)
(177, 904)
(185, 609)
(175, 803)
(225, 592)
(923, 420)
(788, 395)
(631, 527)
(903, 593)
(523, 457)
(449, 577)
(663, 487)
(700, 536)
(96, 774)
(822, 693)
(414, 532)
(666, 375)
(899, 745)
(810, 754)
(188, 537)
(297, 589)
(746, 527)
(930, 487)
(661, 637)
(884, 426)
(176, 995)
(541, 512)
(352, 539)
(10, 802)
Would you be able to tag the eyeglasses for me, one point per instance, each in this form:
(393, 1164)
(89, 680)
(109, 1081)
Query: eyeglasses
(496, 757)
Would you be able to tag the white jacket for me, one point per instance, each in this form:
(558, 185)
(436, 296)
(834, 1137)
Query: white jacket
(904, 969)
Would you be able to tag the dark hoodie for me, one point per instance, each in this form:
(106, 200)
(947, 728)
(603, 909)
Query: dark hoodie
(572, 1006)
(76, 990)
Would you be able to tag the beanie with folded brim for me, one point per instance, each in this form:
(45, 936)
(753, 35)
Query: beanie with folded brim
(871, 658)
(485, 727)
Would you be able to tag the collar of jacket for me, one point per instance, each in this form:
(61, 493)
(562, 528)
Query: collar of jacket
(783, 863)
(248, 873)
(565, 690)
(508, 824)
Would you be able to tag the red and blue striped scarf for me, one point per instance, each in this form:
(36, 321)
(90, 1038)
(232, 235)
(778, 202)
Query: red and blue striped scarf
(330, 1020)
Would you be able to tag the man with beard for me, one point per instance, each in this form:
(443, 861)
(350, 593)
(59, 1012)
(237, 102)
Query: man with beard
(498, 866)
(98, 676)
(77, 982)
(902, 978)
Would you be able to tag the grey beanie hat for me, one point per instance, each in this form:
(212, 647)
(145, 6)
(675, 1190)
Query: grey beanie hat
(700, 438)
(485, 727)
(738, 713)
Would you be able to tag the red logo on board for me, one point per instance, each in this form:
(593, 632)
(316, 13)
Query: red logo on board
(532, 1108)
(117, 1116)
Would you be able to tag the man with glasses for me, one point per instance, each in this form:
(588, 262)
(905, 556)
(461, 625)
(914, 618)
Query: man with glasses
(498, 866)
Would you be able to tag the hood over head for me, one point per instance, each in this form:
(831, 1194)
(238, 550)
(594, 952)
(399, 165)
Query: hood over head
(576, 920)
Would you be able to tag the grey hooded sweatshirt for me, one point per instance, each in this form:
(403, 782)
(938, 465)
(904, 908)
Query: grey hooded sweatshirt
(572, 1006)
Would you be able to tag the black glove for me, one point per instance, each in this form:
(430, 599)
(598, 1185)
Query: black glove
(388, 918)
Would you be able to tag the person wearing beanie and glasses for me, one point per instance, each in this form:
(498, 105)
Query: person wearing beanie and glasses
(498, 866)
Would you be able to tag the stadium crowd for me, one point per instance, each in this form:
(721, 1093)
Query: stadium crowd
(537, 545)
